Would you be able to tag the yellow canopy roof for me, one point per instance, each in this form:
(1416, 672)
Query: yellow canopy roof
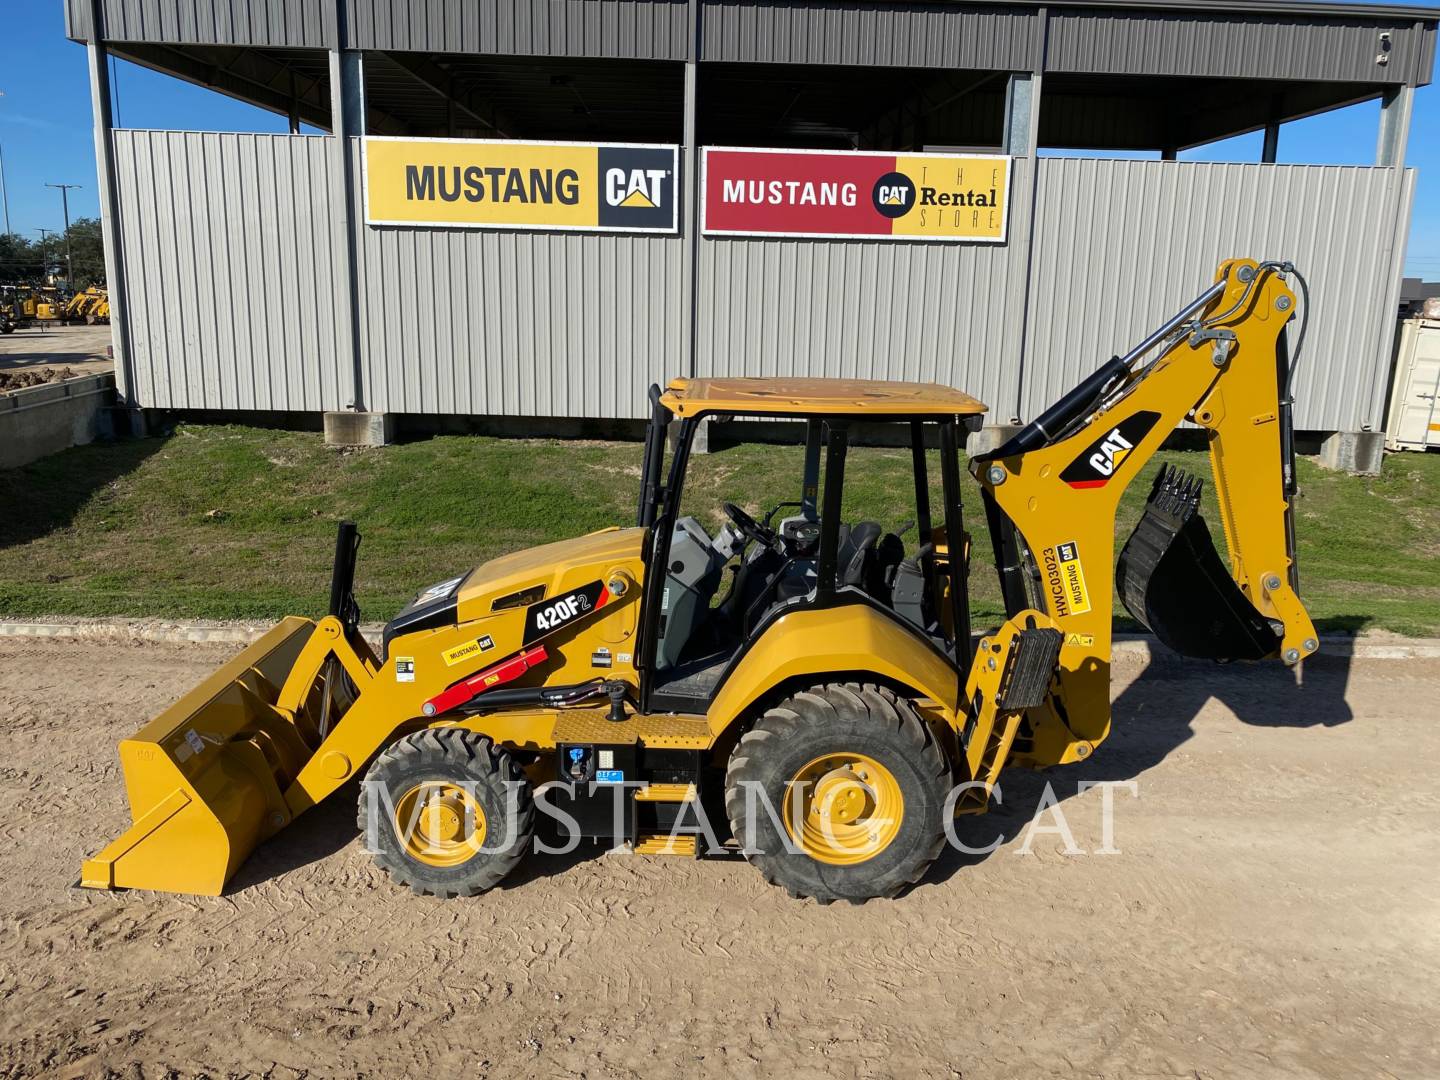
(830, 397)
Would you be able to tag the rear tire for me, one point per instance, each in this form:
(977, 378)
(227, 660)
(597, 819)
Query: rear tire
(868, 774)
(453, 814)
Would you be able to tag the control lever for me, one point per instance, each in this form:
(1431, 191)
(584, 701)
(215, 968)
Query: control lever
(616, 691)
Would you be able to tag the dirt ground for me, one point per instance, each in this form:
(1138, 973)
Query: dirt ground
(20, 379)
(1272, 913)
(80, 348)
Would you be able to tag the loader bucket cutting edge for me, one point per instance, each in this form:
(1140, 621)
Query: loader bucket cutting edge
(1171, 579)
(206, 778)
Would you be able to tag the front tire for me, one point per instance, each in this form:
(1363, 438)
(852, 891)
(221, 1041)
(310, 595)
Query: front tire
(858, 784)
(446, 812)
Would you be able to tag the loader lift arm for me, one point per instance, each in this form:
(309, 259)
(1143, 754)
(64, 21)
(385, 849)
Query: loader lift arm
(1052, 493)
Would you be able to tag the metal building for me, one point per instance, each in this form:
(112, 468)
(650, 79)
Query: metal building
(244, 274)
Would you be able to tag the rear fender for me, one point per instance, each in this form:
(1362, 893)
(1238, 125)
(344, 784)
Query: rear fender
(817, 643)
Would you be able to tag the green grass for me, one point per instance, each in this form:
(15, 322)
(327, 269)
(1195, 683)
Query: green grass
(234, 522)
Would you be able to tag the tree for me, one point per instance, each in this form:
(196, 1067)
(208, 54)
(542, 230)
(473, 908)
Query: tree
(30, 262)
(21, 260)
(87, 246)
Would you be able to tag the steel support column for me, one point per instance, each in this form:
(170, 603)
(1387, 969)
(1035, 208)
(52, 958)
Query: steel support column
(293, 116)
(1271, 146)
(347, 108)
(1022, 138)
(110, 209)
(690, 195)
(1396, 109)
(1022, 113)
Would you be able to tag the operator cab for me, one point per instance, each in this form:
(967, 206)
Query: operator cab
(719, 593)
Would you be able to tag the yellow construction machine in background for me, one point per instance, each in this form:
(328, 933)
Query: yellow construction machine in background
(29, 305)
(90, 307)
(802, 688)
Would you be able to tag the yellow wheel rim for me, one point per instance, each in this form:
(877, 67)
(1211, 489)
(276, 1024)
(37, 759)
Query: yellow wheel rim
(848, 807)
(439, 824)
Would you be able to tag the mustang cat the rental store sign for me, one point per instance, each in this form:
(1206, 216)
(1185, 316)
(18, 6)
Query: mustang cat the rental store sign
(856, 194)
(473, 183)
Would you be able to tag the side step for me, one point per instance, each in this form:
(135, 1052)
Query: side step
(1029, 668)
(685, 844)
(666, 793)
(687, 847)
(999, 695)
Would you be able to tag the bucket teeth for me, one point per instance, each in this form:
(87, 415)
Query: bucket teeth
(1176, 493)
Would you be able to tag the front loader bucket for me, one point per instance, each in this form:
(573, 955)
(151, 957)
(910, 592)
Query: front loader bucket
(206, 777)
(1171, 578)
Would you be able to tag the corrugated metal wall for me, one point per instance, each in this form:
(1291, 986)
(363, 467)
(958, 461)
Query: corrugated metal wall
(77, 20)
(650, 29)
(262, 23)
(229, 265)
(1237, 46)
(518, 323)
(979, 36)
(899, 35)
(1121, 245)
(647, 29)
(231, 253)
(947, 313)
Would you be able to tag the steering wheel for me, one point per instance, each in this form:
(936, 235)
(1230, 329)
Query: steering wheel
(752, 529)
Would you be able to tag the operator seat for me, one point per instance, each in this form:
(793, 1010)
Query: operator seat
(753, 580)
(868, 557)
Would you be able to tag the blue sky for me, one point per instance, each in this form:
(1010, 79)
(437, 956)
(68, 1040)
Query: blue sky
(45, 130)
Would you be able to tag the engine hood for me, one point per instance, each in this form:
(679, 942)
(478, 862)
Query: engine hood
(519, 580)
(553, 567)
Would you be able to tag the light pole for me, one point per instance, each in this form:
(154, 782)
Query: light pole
(45, 235)
(65, 201)
(4, 191)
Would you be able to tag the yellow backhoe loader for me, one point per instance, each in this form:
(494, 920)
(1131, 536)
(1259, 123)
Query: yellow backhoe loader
(90, 307)
(827, 710)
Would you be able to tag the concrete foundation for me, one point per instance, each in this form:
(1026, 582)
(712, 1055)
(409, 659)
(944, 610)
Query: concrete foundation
(359, 429)
(1356, 452)
(126, 422)
(988, 438)
(701, 443)
(43, 420)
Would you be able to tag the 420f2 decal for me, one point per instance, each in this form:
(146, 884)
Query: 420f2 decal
(548, 616)
(1098, 461)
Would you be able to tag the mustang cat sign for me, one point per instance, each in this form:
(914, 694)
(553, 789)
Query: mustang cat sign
(479, 184)
(856, 194)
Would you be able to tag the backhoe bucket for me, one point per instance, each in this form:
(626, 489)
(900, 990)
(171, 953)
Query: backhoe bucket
(1172, 580)
(206, 777)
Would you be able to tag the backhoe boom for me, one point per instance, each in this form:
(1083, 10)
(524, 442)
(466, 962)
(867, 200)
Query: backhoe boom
(1057, 485)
